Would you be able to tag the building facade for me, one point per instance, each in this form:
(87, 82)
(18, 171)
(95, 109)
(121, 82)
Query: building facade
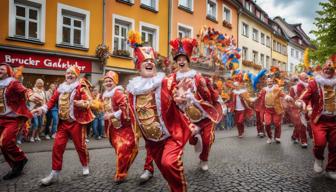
(279, 47)
(255, 34)
(298, 42)
(48, 36)
(149, 17)
(189, 17)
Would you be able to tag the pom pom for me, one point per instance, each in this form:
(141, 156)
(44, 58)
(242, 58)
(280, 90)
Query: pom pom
(134, 39)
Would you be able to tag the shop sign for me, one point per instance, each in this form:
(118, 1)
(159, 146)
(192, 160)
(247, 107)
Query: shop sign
(40, 61)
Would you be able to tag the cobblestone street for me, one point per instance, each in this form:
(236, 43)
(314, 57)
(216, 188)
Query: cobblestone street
(247, 164)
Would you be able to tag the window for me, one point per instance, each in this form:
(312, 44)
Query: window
(184, 31)
(267, 62)
(255, 56)
(189, 4)
(153, 4)
(292, 52)
(292, 67)
(72, 26)
(121, 26)
(255, 35)
(244, 53)
(268, 41)
(227, 14)
(212, 9)
(248, 6)
(262, 38)
(245, 30)
(297, 54)
(300, 41)
(27, 19)
(278, 47)
(274, 45)
(262, 60)
(262, 17)
(150, 34)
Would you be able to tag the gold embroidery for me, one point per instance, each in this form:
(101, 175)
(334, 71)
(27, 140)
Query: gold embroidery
(329, 98)
(108, 108)
(193, 113)
(147, 115)
(269, 99)
(2, 101)
(64, 106)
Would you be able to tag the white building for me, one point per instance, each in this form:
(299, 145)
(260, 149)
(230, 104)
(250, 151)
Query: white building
(298, 42)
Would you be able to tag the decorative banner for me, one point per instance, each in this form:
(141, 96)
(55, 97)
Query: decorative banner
(39, 61)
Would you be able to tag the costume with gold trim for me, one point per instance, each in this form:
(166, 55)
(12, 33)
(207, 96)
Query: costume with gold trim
(121, 133)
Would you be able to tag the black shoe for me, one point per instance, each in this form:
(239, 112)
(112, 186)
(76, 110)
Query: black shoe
(16, 170)
(119, 181)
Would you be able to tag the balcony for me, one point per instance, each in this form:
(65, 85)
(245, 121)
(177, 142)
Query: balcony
(252, 65)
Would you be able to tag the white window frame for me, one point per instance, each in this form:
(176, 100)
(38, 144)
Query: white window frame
(40, 22)
(267, 60)
(207, 11)
(156, 8)
(268, 41)
(262, 40)
(85, 33)
(256, 58)
(131, 27)
(156, 33)
(244, 55)
(246, 34)
(185, 26)
(255, 37)
(262, 59)
(226, 7)
(191, 2)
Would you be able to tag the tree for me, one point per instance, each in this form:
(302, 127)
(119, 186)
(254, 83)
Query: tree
(325, 32)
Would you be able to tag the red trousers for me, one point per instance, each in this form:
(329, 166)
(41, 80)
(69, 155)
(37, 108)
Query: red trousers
(260, 121)
(324, 132)
(272, 117)
(75, 131)
(149, 162)
(300, 131)
(9, 128)
(239, 117)
(125, 145)
(167, 155)
(208, 137)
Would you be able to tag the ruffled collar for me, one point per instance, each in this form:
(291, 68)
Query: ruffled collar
(324, 81)
(270, 89)
(189, 74)
(139, 85)
(67, 88)
(239, 91)
(5, 82)
(111, 92)
(303, 83)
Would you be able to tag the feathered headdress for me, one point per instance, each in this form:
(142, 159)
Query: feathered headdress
(141, 52)
(256, 79)
(183, 47)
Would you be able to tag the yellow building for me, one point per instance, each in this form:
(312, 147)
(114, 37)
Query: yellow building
(279, 48)
(149, 17)
(47, 36)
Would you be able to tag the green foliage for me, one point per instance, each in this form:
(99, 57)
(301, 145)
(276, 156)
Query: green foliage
(325, 32)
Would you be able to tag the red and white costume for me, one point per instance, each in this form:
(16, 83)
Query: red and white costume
(260, 112)
(321, 93)
(72, 121)
(298, 118)
(207, 115)
(121, 133)
(273, 109)
(163, 126)
(13, 114)
(240, 103)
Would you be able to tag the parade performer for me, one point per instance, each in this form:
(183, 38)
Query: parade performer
(240, 104)
(74, 111)
(258, 82)
(13, 114)
(121, 134)
(203, 107)
(321, 93)
(271, 96)
(164, 128)
(298, 117)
